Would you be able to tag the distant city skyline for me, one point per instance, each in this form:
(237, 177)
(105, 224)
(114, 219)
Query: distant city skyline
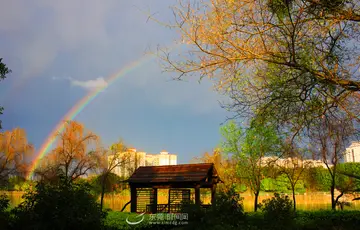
(135, 159)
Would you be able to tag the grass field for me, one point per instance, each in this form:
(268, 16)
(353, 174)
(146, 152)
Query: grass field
(310, 201)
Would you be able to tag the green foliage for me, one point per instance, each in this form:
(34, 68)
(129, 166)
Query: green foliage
(281, 184)
(226, 213)
(307, 220)
(4, 213)
(232, 138)
(4, 70)
(117, 220)
(317, 179)
(229, 204)
(268, 185)
(279, 7)
(111, 183)
(261, 140)
(17, 183)
(278, 208)
(4, 203)
(64, 205)
(344, 182)
(327, 219)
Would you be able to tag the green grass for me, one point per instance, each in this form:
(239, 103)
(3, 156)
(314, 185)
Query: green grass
(117, 220)
(309, 220)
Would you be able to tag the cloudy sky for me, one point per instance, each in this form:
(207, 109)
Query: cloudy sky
(59, 50)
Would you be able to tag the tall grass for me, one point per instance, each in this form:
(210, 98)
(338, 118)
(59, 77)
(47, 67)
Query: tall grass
(309, 201)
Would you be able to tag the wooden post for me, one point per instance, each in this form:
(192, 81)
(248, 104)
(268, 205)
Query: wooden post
(169, 200)
(154, 209)
(197, 195)
(133, 197)
(213, 192)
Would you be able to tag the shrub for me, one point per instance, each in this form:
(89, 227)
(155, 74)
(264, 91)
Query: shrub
(278, 211)
(226, 213)
(62, 205)
(4, 214)
(328, 219)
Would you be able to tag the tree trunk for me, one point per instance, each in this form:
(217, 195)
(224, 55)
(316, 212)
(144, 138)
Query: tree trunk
(337, 200)
(332, 192)
(256, 200)
(293, 193)
(102, 190)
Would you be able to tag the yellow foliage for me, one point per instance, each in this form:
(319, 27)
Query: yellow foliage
(14, 147)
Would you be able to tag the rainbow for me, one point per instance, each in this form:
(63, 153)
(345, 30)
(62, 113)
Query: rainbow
(79, 106)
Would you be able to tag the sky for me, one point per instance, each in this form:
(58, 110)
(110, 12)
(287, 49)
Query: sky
(59, 50)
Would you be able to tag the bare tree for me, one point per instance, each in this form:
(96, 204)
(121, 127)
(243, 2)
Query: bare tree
(329, 139)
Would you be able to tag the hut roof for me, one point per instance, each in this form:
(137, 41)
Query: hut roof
(173, 173)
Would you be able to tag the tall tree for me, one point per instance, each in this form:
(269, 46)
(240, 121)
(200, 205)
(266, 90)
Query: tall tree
(260, 140)
(75, 155)
(109, 160)
(14, 146)
(225, 166)
(292, 166)
(292, 61)
(4, 71)
(329, 139)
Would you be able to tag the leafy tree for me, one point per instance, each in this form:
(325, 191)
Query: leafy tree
(63, 205)
(329, 139)
(225, 166)
(4, 71)
(292, 167)
(14, 146)
(290, 61)
(260, 140)
(76, 154)
(108, 161)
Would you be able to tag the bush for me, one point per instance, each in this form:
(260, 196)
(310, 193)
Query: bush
(4, 214)
(64, 205)
(278, 211)
(328, 219)
(226, 213)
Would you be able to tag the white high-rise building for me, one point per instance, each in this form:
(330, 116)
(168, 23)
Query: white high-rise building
(353, 152)
(132, 159)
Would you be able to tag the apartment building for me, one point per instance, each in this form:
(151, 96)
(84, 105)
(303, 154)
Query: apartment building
(352, 153)
(291, 162)
(132, 159)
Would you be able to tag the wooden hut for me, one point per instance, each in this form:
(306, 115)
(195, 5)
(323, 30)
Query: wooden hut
(178, 179)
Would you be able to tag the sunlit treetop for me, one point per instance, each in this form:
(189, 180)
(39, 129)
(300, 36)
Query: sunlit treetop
(291, 61)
